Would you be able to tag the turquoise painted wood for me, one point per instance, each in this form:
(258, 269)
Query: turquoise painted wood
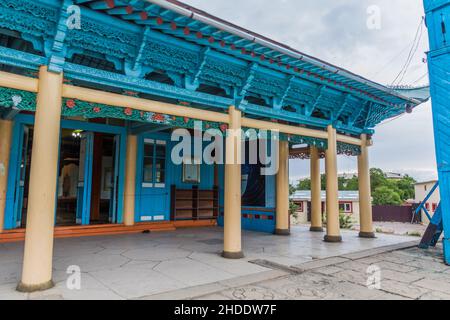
(22, 133)
(113, 210)
(135, 45)
(254, 219)
(438, 22)
(153, 201)
(14, 194)
(161, 55)
(84, 190)
(152, 197)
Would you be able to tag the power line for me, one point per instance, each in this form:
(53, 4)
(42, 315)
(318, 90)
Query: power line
(390, 61)
(412, 52)
(422, 77)
(413, 55)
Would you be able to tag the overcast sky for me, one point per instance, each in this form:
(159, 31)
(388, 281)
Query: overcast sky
(336, 31)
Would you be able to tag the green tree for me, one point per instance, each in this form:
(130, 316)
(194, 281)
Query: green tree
(304, 184)
(348, 184)
(377, 178)
(323, 181)
(293, 208)
(384, 191)
(386, 196)
(292, 189)
(405, 187)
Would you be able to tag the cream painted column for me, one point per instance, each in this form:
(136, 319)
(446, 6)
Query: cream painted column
(282, 214)
(130, 182)
(332, 209)
(316, 192)
(38, 255)
(5, 146)
(365, 197)
(232, 216)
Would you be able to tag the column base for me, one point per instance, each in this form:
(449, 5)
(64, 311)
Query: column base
(233, 255)
(283, 232)
(22, 287)
(316, 229)
(332, 239)
(367, 235)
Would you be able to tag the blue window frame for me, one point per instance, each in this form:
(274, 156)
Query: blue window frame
(154, 167)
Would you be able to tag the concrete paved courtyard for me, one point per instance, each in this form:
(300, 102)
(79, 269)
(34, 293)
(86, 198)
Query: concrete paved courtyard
(184, 263)
(405, 274)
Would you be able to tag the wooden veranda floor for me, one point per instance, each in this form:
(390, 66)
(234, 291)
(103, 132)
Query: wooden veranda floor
(109, 229)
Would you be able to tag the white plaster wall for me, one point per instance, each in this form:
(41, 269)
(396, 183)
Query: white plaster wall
(421, 192)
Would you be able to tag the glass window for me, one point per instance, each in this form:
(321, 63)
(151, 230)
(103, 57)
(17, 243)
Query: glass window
(160, 171)
(160, 151)
(148, 169)
(345, 207)
(154, 162)
(191, 172)
(148, 149)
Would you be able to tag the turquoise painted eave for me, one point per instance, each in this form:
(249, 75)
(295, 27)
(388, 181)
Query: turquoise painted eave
(418, 93)
(191, 54)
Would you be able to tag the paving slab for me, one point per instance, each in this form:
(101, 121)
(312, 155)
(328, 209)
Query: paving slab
(434, 285)
(253, 292)
(411, 291)
(185, 264)
(401, 276)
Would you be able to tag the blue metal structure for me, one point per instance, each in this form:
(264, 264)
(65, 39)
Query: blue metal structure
(438, 23)
(435, 228)
(422, 206)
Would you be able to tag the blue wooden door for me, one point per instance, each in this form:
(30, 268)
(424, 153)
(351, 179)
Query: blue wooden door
(154, 188)
(22, 170)
(85, 178)
(113, 207)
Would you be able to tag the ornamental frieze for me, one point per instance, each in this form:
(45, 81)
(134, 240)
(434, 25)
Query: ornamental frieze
(26, 101)
(31, 9)
(25, 23)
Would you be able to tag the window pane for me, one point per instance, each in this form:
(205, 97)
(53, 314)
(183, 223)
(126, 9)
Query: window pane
(160, 176)
(160, 151)
(160, 170)
(148, 170)
(148, 149)
(160, 164)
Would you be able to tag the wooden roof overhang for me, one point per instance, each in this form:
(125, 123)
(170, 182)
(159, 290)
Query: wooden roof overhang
(166, 50)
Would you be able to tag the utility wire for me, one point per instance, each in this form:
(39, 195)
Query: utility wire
(412, 52)
(422, 77)
(413, 55)
(390, 61)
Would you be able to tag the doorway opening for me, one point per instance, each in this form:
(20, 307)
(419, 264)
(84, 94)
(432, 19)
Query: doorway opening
(104, 179)
(22, 185)
(87, 183)
(70, 163)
